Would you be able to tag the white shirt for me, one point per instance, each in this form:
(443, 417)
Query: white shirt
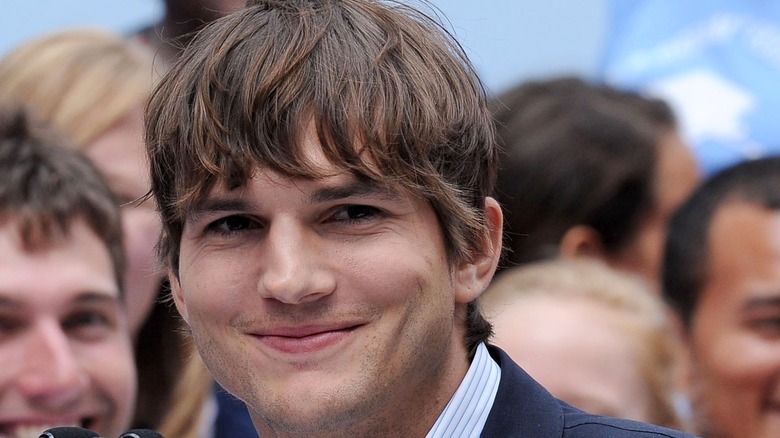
(467, 411)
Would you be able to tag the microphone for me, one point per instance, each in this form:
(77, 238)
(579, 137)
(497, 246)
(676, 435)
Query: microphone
(69, 432)
(141, 433)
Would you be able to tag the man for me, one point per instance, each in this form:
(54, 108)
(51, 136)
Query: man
(722, 272)
(64, 340)
(323, 170)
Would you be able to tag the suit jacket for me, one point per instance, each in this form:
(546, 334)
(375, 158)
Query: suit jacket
(524, 409)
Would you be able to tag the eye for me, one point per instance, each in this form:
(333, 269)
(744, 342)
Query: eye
(89, 324)
(9, 325)
(231, 225)
(767, 327)
(356, 213)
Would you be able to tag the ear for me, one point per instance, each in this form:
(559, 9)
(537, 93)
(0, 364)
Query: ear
(178, 297)
(582, 240)
(473, 277)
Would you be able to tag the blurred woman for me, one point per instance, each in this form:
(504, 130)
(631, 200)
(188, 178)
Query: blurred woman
(593, 336)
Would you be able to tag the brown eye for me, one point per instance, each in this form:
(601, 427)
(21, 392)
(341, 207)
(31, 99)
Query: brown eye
(355, 213)
(88, 325)
(232, 224)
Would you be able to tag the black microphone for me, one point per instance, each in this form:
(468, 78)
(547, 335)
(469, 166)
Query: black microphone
(69, 432)
(141, 433)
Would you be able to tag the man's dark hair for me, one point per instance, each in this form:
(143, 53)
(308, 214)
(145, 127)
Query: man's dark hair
(46, 187)
(575, 153)
(685, 266)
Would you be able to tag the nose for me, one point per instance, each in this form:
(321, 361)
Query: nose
(294, 265)
(51, 375)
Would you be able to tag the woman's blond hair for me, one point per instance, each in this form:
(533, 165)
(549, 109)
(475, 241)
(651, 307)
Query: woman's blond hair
(77, 75)
(646, 318)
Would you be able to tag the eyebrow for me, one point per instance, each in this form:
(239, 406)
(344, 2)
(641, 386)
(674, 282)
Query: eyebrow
(206, 206)
(355, 188)
(761, 302)
(88, 297)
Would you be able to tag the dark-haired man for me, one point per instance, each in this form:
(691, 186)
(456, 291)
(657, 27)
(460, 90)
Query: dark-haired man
(722, 273)
(324, 171)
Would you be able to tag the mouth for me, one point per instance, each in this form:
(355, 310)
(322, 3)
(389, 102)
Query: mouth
(306, 340)
(34, 429)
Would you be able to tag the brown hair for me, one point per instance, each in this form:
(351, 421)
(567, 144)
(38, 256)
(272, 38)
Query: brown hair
(392, 97)
(576, 153)
(45, 188)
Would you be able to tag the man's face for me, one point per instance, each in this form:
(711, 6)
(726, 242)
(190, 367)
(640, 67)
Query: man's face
(326, 305)
(64, 342)
(119, 154)
(735, 333)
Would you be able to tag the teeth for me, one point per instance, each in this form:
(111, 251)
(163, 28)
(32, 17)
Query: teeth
(35, 431)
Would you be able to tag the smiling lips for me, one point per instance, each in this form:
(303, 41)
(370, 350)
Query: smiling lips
(305, 340)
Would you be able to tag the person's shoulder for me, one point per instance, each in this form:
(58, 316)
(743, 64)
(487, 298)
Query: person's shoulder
(578, 424)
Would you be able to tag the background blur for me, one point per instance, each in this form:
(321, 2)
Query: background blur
(508, 40)
(717, 62)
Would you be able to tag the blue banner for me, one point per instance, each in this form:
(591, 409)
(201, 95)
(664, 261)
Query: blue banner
(717, 62)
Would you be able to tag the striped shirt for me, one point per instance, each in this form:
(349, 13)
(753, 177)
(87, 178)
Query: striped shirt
(466, 413)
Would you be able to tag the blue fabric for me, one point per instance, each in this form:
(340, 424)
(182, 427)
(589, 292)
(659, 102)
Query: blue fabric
(717, 62)
(232, 417)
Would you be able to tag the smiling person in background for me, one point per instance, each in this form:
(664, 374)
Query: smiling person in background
(91, 85)
(722, 273)
(64, 340)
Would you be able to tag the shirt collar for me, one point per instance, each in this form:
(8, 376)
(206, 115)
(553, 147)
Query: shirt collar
(467, 411)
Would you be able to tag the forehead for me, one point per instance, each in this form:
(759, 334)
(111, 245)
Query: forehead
(744, 253)
(742, 231)
(71, 266)
(315, 167)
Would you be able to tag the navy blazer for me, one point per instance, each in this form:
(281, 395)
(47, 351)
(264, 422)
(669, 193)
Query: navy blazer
(524, 409)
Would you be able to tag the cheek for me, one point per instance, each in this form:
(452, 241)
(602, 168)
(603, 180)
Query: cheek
(399, 274)
(733, 368)
(214, 287)
(740, 361)
(141, 229)
(143, 274)
(111, 367)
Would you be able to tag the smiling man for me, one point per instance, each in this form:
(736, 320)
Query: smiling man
(64, 340)
(324, 171)
(722, 272)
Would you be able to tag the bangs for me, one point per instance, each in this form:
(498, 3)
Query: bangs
(393, 100)
(388, 109)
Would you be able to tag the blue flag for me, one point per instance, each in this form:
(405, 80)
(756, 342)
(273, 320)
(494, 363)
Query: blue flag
(717, 62)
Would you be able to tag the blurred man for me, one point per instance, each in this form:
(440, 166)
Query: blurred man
(722, 272)
(64, 340)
